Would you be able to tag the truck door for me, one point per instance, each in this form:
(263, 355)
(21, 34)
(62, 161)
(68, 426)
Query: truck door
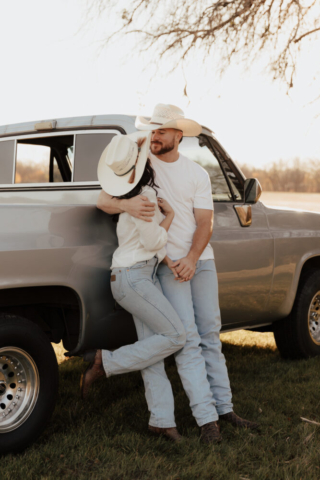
(244, 256)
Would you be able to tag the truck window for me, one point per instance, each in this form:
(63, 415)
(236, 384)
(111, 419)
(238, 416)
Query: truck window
(6, 161)
(89, 147)
(235, 179)
(199, 150)
(44, 159)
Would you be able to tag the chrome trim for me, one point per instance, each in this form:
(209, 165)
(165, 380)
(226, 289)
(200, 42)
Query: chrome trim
(14, 160)
(244, 214)
(23, 187)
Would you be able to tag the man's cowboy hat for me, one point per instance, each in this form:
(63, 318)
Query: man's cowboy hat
(123, 161)
(169, 116)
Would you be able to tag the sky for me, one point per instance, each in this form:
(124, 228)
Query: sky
(51, 68)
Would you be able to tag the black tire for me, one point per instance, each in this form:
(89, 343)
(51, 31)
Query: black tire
(19, 336)
(292, 334)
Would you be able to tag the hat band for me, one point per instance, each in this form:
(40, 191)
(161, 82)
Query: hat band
(123, 174)
(132, 176)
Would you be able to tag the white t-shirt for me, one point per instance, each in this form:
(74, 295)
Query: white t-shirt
(185, 185)
(140, 240)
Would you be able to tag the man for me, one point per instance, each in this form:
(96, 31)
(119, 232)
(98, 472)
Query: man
(188, 279)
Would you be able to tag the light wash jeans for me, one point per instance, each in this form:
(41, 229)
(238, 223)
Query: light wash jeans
(138, 291)
(201, 364)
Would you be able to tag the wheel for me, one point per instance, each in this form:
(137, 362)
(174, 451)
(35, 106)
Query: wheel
(298, 335)
(28, 382)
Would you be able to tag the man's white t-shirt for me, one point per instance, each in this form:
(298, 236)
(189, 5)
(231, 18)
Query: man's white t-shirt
(185, 185)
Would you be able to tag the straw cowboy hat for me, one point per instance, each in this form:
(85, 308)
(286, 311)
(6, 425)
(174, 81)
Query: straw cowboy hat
(169, 116)
(123, 161)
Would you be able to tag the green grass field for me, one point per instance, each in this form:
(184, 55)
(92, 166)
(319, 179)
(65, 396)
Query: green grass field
(106, 437)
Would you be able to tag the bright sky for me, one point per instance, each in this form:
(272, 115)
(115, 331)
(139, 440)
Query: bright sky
(49, 71)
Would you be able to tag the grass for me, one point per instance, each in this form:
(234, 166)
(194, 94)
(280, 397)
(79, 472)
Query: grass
(106, 438)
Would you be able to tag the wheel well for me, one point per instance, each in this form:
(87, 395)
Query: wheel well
(55, 309)
(309, 266)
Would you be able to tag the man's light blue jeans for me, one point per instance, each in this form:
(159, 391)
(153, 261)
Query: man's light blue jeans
(200, 363)
(137, 290)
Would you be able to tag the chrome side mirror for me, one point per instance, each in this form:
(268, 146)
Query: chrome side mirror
(252, 193)
(252, 190)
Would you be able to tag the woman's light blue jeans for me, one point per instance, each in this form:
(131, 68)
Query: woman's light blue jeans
(200, 363)
(138, 291)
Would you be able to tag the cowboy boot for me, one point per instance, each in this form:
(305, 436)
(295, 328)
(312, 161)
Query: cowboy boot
(169, 433)
(210, 433)
(93, 372)
(237, 421)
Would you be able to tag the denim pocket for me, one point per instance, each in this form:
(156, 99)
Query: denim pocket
(117, 287)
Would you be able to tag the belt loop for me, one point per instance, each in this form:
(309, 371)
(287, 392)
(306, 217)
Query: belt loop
(155, 268)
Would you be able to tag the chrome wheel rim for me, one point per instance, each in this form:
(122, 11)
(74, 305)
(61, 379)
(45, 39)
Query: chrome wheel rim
(314, 318)
(19, 387)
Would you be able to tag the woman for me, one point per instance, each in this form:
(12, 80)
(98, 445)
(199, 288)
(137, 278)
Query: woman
(124, 171)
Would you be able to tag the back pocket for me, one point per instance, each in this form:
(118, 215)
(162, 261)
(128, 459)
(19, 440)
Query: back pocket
(117, 286)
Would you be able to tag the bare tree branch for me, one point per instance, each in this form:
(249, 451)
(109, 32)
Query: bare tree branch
(307, 33)
(233, 29)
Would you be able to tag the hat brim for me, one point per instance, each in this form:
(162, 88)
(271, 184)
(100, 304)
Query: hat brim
(115, 185)
(189, 128)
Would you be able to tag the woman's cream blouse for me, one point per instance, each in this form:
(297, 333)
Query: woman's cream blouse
(140, 240)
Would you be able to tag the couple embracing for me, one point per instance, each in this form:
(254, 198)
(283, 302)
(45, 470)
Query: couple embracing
(164, 274)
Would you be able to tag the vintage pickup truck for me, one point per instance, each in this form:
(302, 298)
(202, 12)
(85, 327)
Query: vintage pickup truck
(56, 249)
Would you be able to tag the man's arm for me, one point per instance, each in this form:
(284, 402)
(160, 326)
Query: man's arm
(138, 207)
(186, 267)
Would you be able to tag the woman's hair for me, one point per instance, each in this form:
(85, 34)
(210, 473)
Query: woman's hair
(148, 178)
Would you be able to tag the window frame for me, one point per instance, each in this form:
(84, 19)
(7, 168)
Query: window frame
(214, 144)
(55, 185)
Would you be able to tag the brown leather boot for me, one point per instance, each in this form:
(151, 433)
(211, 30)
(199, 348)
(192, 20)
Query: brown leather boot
(210, 433)
(169, 433)
(237, 421)
(94, 371)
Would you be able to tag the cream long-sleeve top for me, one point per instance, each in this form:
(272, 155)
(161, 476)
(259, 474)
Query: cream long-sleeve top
(140, 240)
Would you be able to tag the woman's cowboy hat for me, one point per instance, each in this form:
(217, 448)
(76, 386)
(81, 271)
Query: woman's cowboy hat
(123, 161)
(169, 116)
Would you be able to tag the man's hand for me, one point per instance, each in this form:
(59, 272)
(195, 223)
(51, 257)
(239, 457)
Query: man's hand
(167, 261)
(140, 207)
(185, 268)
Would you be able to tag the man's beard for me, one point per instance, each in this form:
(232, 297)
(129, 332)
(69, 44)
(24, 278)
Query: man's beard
(163, 150)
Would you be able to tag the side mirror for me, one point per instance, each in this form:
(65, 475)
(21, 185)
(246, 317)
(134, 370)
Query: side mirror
(252, 190)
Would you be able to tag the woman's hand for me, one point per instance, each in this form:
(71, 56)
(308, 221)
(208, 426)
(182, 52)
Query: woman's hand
(165, 207)
(167, 261)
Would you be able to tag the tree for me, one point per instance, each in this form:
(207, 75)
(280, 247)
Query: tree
(229, 29)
